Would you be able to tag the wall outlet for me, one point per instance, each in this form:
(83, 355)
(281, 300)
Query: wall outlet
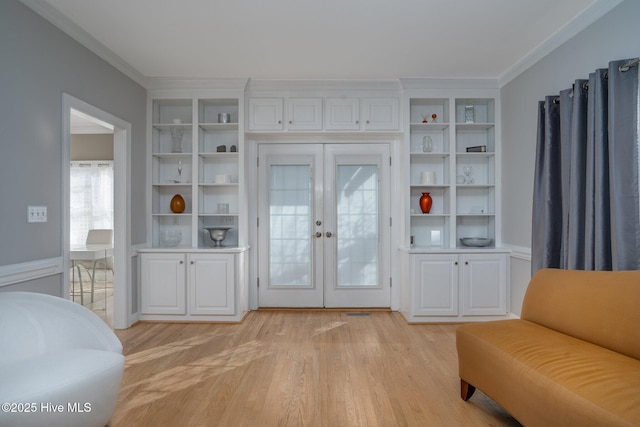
(36, 214)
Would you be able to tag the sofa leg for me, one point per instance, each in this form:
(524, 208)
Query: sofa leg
(466, 390)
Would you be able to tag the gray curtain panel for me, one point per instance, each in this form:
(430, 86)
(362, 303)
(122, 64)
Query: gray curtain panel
(586, 204)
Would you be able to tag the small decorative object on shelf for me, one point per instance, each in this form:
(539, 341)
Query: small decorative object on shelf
(428, 178)
(217, 234)
(427, 144)
(177, 204)
(221, 149)
(468, 170)
(477, 149)
(469, 114)
(176, 137)
(233, 149)
(424, 119)
(434, 118)
(224, 117)
(425, 202)
(170, 238)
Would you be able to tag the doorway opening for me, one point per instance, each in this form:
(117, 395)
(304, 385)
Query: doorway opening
(114, 263)
(91, 214)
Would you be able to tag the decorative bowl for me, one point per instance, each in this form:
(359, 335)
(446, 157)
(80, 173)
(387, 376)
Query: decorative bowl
(217, 234)
(170, 238)
(478, 242)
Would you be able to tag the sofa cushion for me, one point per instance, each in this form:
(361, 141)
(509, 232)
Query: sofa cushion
(601, 307)
(544, 377)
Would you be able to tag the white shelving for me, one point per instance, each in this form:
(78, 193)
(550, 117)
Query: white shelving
(452, 152)
(463, 205)
(204, 169)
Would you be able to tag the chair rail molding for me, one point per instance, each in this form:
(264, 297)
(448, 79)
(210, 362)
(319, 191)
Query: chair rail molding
(25, 271)
(519, 252)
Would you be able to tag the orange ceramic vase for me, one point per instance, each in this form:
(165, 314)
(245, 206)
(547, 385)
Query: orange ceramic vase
(177, 204)
(425, 202)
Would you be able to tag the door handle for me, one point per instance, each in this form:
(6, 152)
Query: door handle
(318, 234)
(329, 234)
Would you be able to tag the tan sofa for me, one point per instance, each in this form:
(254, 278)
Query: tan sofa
(572, 359)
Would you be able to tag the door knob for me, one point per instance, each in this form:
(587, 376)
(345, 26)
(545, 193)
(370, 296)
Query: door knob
(318, 223)
(318, 234)
(329, 234)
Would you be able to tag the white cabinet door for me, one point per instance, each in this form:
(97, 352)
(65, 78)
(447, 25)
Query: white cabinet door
(304, 113)
(342, 114)
(484, 284)
(380, 113)
(211, 284)
(435, 280)
(265, 113)
(163, 284)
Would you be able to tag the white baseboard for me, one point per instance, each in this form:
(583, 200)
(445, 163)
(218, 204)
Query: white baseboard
(16, 273)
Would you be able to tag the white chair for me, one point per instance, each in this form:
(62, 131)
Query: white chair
(96, 236)
(56, 352)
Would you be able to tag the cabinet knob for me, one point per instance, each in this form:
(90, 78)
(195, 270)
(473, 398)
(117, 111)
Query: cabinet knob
(466, 263)
(279, 122)
(329, 234)
(455, 263)
(318, 234)
(191, 262)
(367, 121)
(357, 121)
(181, 262)
(290, 122)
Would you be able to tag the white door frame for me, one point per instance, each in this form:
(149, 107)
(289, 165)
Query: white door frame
(122, 317)
(396, 199)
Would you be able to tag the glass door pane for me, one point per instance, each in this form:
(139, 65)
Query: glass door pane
(290, 225)
(357, 225)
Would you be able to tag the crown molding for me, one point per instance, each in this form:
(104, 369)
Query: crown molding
(312, 85)
(594, 12)
(63, 23)
(449, 83)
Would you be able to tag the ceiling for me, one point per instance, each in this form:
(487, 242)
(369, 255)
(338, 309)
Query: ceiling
(322, 39)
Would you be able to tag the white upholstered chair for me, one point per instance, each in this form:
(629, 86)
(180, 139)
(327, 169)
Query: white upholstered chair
(54, 352)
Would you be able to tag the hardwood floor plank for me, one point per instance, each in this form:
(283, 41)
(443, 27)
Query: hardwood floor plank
(297, 368)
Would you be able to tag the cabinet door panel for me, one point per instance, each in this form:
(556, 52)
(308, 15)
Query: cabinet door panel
(342, 114)
(163, 284)
(265, 114)
(381, 113)
(211, 284)
(484, 284)
(436, 285)
(304, 114)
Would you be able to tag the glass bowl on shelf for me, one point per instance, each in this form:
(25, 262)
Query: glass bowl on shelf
(170, 238)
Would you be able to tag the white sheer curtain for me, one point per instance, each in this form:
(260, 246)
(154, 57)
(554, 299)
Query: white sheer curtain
(91, 198)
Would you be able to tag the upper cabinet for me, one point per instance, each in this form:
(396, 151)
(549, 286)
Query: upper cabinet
(324, 114)
(266, 113)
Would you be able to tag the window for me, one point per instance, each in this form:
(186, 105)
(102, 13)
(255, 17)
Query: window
(91, 198)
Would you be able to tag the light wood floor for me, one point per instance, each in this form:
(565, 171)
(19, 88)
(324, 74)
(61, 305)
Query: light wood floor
(297, 368)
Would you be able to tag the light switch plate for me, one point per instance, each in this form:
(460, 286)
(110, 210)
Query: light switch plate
(37, 214)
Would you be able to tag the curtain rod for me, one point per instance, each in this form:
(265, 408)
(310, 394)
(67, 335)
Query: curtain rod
(628, 64)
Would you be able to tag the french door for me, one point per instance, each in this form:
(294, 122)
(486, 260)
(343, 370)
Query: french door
(324, 225)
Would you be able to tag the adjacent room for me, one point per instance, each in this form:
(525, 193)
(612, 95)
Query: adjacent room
(408, 213)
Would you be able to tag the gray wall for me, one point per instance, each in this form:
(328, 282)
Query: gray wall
(39, 64)
(614, 36)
